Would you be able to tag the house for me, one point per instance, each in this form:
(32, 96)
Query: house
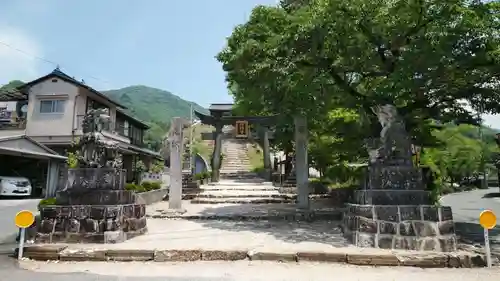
(56, 106)
(22, 156)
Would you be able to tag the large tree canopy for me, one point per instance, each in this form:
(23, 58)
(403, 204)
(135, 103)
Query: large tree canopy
(428, 57)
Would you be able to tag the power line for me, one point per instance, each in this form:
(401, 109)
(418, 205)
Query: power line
(46, 60)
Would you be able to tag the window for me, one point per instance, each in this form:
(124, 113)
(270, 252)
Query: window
(52, 106)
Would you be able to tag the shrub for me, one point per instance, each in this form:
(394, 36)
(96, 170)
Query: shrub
(130, 186)
(72, 160)
(198, 176)
(47, 202)
(155, 185)
(157, 167)
(146, 185)
(140, 188)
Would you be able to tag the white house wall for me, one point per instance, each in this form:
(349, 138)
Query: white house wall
(53, 124)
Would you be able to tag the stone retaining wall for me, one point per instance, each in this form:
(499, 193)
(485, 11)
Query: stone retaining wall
(422, 227)
(91, 223)
(153, 196)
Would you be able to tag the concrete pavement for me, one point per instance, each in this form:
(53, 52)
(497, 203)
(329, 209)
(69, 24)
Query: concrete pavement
(8, 210)
(234, 271)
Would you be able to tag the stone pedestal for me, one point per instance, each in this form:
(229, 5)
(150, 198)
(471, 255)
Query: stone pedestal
(92, 207)
(393, 211)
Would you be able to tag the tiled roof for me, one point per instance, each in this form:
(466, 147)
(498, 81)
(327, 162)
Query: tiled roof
(59, 74)
(136, 120)
(221, 107)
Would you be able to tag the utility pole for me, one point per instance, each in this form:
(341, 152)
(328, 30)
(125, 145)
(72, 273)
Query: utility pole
(482, 164)
(191, 130)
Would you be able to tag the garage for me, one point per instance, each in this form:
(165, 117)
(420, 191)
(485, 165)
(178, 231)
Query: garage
(23, 157)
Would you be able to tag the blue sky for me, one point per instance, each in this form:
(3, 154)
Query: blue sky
(167, 44)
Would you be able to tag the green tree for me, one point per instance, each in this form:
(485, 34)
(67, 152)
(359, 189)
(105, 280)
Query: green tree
(426, 57)
(460, 153)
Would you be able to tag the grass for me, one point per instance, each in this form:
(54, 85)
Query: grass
(256, 157)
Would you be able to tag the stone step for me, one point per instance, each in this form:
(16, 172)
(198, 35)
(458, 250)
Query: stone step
(249, 182)
(236, 200)
(244, 194)
(239, 188)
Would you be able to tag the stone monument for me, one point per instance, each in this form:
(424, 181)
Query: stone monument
(392, 209)
(92, 204)
(175, 140)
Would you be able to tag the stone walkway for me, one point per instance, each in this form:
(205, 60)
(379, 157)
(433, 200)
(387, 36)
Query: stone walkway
(161, 210)
(233, 235)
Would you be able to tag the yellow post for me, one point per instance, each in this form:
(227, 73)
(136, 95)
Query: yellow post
(488, 220)
(23, 220)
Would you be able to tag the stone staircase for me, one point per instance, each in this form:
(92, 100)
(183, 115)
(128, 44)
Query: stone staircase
(236, 158)
(241, 189)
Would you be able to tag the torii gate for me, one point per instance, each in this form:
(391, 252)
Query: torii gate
(219, 119)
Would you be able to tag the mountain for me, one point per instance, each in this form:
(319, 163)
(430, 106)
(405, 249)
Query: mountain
(153, 105)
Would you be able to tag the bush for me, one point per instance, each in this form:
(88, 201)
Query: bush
(207, 174)
(146, 185)
(140, 188)
(47, 202)
(198, 176)
(72, 160)
(155, 185)
(131, 186)
(157, 167)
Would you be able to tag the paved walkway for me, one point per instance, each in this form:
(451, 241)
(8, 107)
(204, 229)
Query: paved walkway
(234, 235)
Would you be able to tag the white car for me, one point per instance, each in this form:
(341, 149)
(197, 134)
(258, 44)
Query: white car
(15, 186)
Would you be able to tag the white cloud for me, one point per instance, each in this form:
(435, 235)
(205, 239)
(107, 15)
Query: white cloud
(15, 64)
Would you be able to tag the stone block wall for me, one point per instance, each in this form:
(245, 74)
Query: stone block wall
(411, 227)
(93, 207)
(91, 223)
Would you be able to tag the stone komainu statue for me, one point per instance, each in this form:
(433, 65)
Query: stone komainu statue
(394, 144)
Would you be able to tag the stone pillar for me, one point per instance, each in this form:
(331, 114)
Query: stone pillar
(175, 141)
(267, 153)
(216, 154)
(302, 166)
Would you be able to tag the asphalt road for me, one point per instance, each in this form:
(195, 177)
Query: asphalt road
(8, 210)
(466, 208)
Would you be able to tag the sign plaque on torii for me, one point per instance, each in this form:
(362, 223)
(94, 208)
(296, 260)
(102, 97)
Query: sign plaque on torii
(241, 129)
